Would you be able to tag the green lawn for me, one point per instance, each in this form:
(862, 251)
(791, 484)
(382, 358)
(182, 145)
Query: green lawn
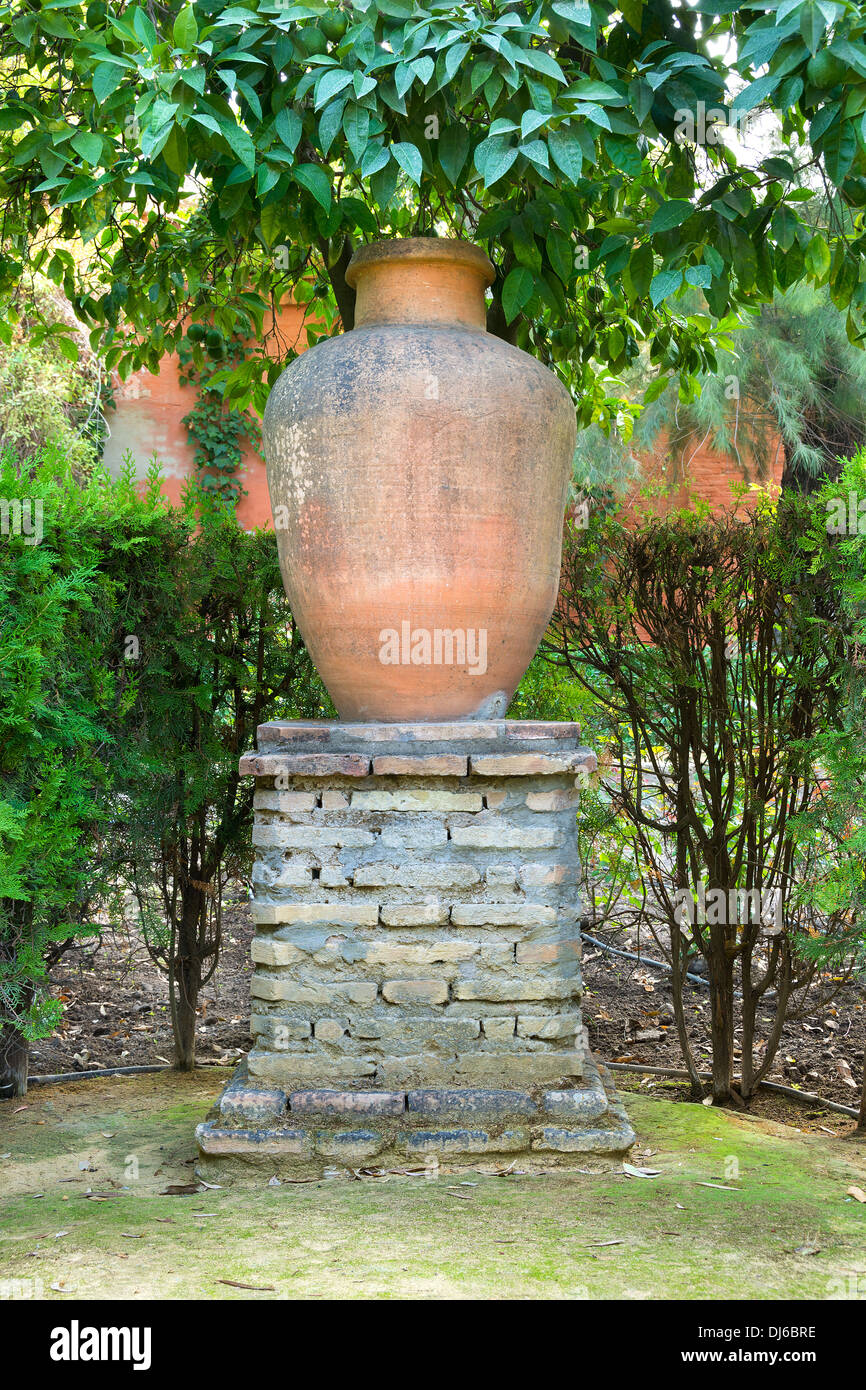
(786, 1230)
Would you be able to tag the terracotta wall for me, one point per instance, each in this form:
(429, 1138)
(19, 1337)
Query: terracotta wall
(147, 422)
(150, 409)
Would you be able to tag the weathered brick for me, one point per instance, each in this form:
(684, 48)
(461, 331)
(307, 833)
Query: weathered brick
(539, 875)
(299, 1066)
(523, 1068)
(552, 801)
(415, 991)
(284, 802)
(430, 765)
(337, 914)
(553, 1139)
(500, 1029)
(304, 765)
(462, 1141)
(501, 875)
(328, 1030)
(334, 801)
(279, 1031)
(527, 764)
(585, 1103)
(505, 837)
(350, 1146)
(407, 1032)
(287, 835)
(267, 952)
(418, 800)
(347, 1102)
(330, 877)
(544, 950)
(289, 992)
(493, 800)
(268, 1142)
(386, 953)
(495, 987)
(423, 874)
(413, 836)
(427, 914)
(470, 1103)
(240, 1100)
(547, 1025)
(515, 914)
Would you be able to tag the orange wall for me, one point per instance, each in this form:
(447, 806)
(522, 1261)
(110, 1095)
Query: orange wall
(150, 409)
(147, 422)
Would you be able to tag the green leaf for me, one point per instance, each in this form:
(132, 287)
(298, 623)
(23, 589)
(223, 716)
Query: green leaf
(560, 253)
(839, 147)
(818, 257)
(240, 143)
(316, 181)
(454, 143)
(329, 84)
(541, 61)
(666, 283)
(640, 269)
(756, 92)
(289, 127)
(356, 124)
(89, 146)
(144, 28)
(670, 215)
(79, 188)
(588, 89)
(812, 26)
(531, 121)
(106, 79)
(493, 158)
(185, 30)
(578, 11)
(408, 156)
(566, 152)
(517, 291)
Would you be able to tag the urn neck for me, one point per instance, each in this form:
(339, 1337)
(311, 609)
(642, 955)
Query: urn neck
(420, 280)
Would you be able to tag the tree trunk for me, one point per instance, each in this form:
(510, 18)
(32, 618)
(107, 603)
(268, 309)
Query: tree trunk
(14, 1059)
(186, 977)
(722, 1022)
(861, 1121)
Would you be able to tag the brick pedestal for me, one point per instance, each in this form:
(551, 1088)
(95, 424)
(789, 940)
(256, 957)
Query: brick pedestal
(417, 980)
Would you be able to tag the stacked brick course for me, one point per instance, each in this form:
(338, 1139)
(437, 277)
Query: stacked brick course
(417, 980)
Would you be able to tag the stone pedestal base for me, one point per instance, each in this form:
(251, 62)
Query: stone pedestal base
(417, 982)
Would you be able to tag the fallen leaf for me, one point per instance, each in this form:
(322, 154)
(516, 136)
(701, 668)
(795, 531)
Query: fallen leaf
(720, 1185)
(632, 1172)
(809, 1249)
(857, 1193)
(179, 1189)
(259, 1288)
(19, 1108)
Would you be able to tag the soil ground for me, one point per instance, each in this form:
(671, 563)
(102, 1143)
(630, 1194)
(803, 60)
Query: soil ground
(116, 1014)
(740, 1207)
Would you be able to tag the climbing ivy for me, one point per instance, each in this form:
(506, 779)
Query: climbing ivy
(217, 430)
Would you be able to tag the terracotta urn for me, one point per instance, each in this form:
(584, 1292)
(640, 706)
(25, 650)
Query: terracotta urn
(418, 468)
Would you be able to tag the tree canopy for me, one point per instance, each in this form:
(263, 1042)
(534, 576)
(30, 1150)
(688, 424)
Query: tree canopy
(179, 169)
